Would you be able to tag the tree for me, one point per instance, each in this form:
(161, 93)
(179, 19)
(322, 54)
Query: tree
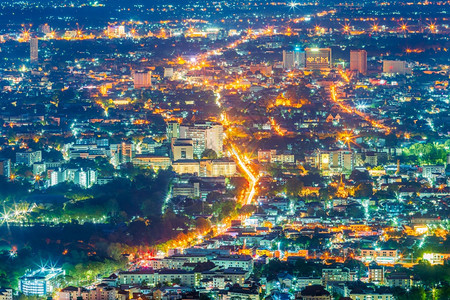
(209, 154)
(359, 176)
(293, 186)
(364, 190)
(203, 225)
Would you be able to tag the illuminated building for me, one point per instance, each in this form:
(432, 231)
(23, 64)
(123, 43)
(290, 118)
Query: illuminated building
(274, 156)
(186, 190)
(28, 158)
(318, 58)
(34, 50)
(85, 178)
(395, 67)
(57, 177)
(293, 59)
(126, 152)
(432, 171)
(338, 160)
(182, 149)
(380, 256)
(338, 275)
(153, 277)
(152, 161)
(244, 262)
(116, 31)
(204, 136)
(39, 282)
(6, 294)
(219, 167)
(314, 292)
(44, 28)
(101, 292)
(358, 61)
(401, 280)
(371, 295)
(436, 258)
(173, 130)
(168, 72)
(187, 167)
(5, 167)
(376, 273)
(142, 79)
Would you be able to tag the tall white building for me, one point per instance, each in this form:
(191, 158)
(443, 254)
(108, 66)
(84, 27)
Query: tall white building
(34, 50)
(432, 171)
(85, 179)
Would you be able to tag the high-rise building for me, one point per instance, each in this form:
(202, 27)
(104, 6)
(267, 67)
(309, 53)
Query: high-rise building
(293, 59)
(358, 61)
(34, 50)
(318, 58)
(5, 167)
(395, 67)
(85, 178)
(173, 130)
(142, 79)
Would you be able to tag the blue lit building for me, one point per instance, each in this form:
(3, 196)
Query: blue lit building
(39, 282)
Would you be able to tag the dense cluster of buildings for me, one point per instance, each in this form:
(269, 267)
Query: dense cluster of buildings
(339, 132)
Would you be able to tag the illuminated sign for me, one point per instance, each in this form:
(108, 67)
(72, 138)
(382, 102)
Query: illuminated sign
(318, 58)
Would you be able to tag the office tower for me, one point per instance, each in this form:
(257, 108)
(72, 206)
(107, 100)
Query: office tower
(318, 58)
(173, 130)
(293, 59)
(358, 61)
(288, 60)
(395, 67)
(34, 50)
(142, 79)
(85, 179)
(126, 151)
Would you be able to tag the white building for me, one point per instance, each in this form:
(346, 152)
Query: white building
(39, 282)
(204, 136)
(393, 67)
(5, 294)
(431, 171)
